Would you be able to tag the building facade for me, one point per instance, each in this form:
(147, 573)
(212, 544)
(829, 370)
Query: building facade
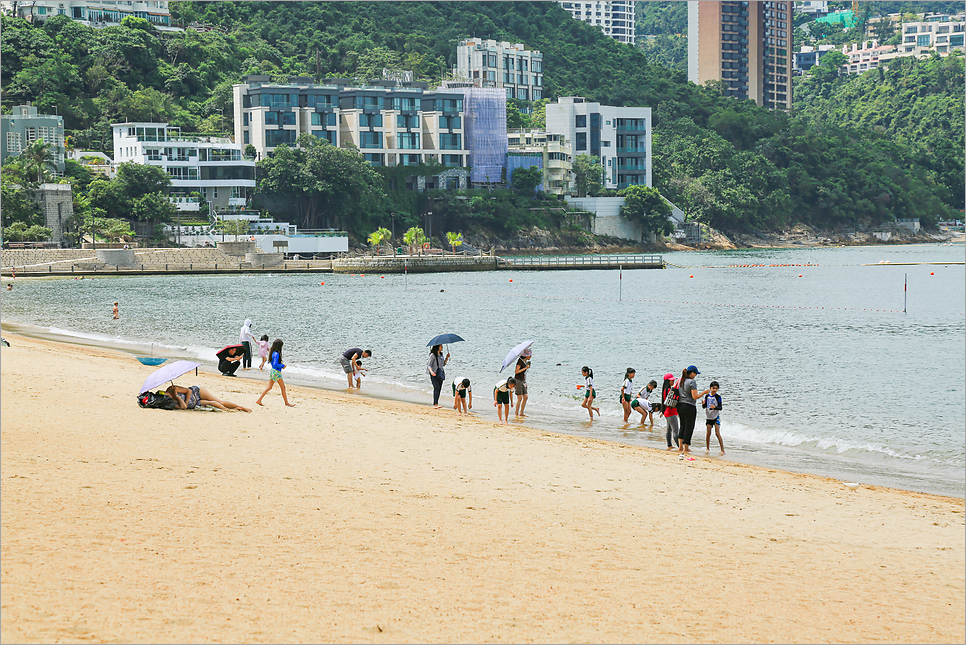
(24, 126)
(390, 124)
(488, 63)
(550, 152)
(809, 57)
(614, 17)
(745, 45)
(215, 168)
(619, 136)
(104, 13)
(941, 33)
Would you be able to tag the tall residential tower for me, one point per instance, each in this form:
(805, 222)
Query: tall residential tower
(614, 17)
(745, 45)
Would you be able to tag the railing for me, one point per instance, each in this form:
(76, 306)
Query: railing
(320, 233)
(563, 261)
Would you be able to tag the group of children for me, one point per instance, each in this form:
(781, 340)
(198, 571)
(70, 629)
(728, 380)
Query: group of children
(674, 392)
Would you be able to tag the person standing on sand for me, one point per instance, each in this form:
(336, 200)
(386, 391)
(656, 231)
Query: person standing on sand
(263, 349)
(349, 359)
(436, 373)
(522, 391)
(670, 411)
(247, 340)
(116, 312)
(276, 373)
(687, 406)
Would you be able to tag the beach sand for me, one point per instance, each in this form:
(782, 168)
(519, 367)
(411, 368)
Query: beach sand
(352, 519)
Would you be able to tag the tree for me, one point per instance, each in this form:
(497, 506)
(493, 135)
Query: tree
(112, 228)
(38, 159)
(20, 232)
(379, 236)
(414, 235)
(645, 206)
(154, 207)
(454, 239)
(233, 227)
(588, 175)
(526, 180)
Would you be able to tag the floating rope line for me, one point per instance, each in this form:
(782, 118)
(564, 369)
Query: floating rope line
(666, 302)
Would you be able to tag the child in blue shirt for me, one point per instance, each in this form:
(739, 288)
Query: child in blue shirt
(712, 406)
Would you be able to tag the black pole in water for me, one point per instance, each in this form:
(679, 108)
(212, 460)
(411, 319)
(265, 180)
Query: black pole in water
(406, 272)
(620, 282)
(905, 292)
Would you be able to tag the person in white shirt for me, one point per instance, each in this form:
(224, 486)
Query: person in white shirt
(503, 398)
(627, 389)
(462, 391)
(589, 393)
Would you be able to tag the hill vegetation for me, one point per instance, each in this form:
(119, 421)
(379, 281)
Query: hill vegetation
(838, 161)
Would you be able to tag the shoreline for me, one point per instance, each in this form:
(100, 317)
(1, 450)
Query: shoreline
(369, 520)
(761, 456)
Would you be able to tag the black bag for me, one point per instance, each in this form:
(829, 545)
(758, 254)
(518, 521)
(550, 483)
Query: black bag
(671, 397)
(157, 400)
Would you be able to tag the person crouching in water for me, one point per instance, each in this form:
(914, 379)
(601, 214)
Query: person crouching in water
(503, 398)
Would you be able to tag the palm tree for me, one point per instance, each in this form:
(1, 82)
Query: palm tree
(454, 239)
(414, 235)
(39, 159)
(379, 236)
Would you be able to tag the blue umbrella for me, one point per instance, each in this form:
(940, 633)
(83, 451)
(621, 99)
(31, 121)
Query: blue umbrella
(444, 339)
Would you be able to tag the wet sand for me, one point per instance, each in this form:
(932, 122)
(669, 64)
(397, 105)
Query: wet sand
(350, 519)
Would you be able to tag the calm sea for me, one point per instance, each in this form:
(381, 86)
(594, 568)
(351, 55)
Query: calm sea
(820, 369)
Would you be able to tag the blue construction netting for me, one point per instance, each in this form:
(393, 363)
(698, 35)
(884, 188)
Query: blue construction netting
(484, 112)
(522, 160)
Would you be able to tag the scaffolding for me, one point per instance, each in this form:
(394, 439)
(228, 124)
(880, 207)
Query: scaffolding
(484, 112)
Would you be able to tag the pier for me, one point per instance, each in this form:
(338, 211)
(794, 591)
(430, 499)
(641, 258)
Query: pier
(564, 262)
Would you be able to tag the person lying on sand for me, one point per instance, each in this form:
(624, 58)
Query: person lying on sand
(188, 398)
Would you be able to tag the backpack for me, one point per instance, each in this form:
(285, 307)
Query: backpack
(158, 401)
(671, 397)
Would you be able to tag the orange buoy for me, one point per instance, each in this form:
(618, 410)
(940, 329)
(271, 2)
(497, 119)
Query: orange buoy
(321, 284)
(511, 279)
(799, 275)
(690, 276)
(932, 273)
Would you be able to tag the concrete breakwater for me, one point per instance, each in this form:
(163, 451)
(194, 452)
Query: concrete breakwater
(73, 262)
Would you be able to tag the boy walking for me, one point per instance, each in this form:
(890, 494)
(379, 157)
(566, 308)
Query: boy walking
(712, 406)
(503, 398)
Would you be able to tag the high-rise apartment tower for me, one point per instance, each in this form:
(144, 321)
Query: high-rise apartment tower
(614, 17)
(745, 45)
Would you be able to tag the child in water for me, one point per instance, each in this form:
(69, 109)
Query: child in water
(712, 406)
(263, 349)
(627, 387)
(116, 314)
(357, 374)
(589, 393)
(276, 373)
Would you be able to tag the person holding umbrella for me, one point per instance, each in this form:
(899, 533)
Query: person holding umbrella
(436, 373)
(229, 359)
(523, 364)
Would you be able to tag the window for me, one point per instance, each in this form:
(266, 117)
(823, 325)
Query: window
(328, 135)
(407, 120)
(368, 103)
(369, 120)
(449, 123)
(247, 137)
(275, 138)
(923, 41)
(271, 118)
(316, 118)
(491, 60)
(537, 66)
(370, 139)
(581, 141)
(523, 94)
(580, 121)
(449, 141)
(450, 105)
(245, 119)
(408, 140)
(406, 103)
(956, 40)
(288, 118)
(453, 161)
(374, 159)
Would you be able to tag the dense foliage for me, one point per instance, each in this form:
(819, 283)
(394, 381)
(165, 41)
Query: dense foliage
(727, 162)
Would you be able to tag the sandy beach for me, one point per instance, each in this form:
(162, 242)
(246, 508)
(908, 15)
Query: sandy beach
(352, 519)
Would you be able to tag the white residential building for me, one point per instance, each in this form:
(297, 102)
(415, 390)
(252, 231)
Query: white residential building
(94, 13)
(619, 136)
(214, 167)
(939, 33)
(550, 152)
(614, 17)
(812, 6)
(488, 63)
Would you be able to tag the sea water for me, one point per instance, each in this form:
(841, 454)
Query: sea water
(820, 369)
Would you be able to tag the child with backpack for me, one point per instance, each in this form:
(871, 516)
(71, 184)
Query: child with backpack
(712, 406)
(669, 399)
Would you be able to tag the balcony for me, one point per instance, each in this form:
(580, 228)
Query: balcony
(641, 150)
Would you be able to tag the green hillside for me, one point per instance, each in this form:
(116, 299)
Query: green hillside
(732, 164)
